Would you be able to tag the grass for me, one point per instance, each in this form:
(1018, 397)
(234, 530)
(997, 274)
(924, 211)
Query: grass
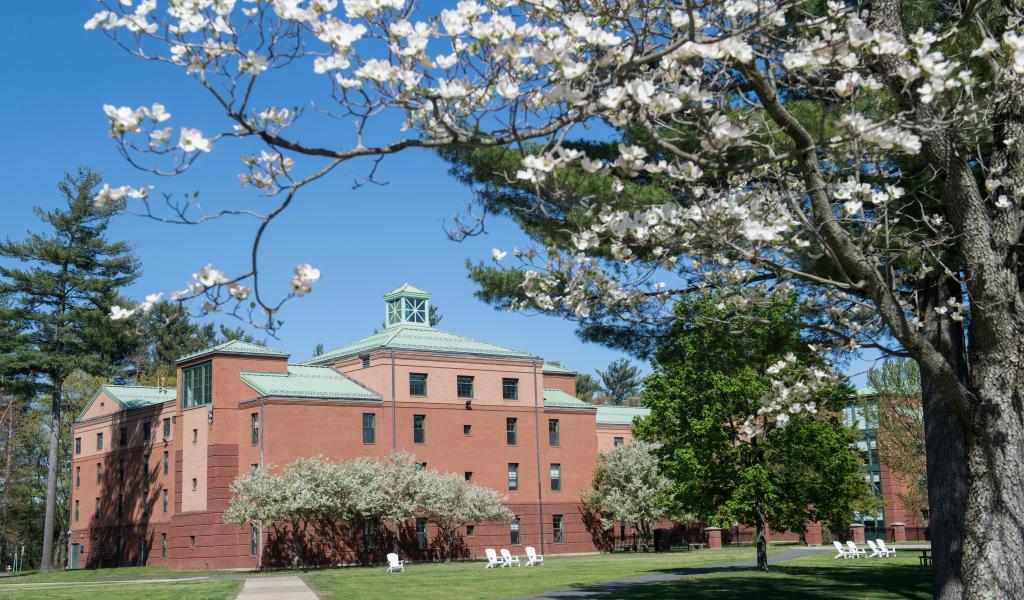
(101, 575)
(193, 590)
(814, 577)
(468, 580)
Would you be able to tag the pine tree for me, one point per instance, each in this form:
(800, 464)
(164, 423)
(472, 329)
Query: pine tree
(61, 286)
(620, 380)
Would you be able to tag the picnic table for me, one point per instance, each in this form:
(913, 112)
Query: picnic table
(926, 557)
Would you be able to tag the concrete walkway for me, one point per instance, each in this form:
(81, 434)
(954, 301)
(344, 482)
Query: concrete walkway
(273, 588)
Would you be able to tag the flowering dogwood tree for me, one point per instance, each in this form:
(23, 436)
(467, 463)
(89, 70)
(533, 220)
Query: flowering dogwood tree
(902, 181)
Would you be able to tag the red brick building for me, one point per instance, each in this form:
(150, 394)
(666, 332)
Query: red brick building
(152, 466)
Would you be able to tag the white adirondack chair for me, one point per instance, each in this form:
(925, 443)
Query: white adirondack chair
(492, 559)
(843, 552)
(854, 550)
(885, 550)
(532, 558)
(394, 564)
(875, 552)
(510, 560)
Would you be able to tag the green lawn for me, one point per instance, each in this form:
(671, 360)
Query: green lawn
(120, 574)
(193, 590)
(899, 577)
(467, 580)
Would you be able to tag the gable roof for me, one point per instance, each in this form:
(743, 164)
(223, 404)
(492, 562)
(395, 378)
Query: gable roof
(131, 397)
(553, 368)
(235, 347)
(620, 415)
(407, 289)
(556, 398)
(422, 338)
(308, 382)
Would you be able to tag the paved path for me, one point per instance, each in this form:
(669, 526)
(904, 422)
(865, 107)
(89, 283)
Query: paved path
(275, 588)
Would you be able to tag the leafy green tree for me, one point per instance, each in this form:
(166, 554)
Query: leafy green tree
(621, 380)
(727, 461)
(61, 284)
(629, 487)
(901, 435)
(586, 387)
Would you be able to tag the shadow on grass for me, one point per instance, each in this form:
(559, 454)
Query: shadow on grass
(883, 581)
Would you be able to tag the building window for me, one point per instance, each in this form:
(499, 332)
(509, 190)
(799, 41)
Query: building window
(192, 542)
(123, 438)
(99, 473)
(254, 428)
(464, 385)
(97, 507)
(366, 360)
(509, 389)
(120, 505)
(369, 428)
(167, 428)
(167, 463)
(163, 545)
(78, 477)
(195, 436)
(195, 484)
(99, 441)
(510, 431)
(165, 499)
(421, 533)
(418, 429)
(515, 531)
(145, 503)
(556, 529)
(619, 441)
(469, 476)
(120, 470)
(554, 437)
(556, 477)
(513, 476)
(417, 384)
(415, 310)
(467, 430)
(195, 385)
(76, 511)
(78, 445)
(470, 530)
(421, 466)
(254, 541)
(145, 431)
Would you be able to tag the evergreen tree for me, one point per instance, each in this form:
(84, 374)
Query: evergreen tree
(586, 387)
(621, 380)
(61, 284)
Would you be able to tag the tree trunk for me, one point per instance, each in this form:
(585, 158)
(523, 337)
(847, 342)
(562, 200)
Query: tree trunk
(945, 445)
(994, 540)
(761, 530)
(46, 564)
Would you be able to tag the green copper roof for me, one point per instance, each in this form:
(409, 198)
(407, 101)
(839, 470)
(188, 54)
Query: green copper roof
(133, 396)
(235, 347)
(553, 368)
(866, 390)
(556, 398)
(421, 338)
(620, 415)
(407, 289)
(307, 382)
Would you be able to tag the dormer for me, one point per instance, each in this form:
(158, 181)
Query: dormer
(407, 305)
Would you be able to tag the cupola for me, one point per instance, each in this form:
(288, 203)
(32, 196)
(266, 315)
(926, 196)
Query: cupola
(407, 305)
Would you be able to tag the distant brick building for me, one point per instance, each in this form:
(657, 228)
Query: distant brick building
(152, 466)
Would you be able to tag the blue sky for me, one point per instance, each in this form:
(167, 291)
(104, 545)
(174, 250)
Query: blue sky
(365, 241)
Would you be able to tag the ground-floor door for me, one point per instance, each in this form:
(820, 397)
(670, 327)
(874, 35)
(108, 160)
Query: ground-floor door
(74, 556)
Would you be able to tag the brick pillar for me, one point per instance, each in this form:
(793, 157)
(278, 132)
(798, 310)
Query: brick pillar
(857, 533)
(714, 536)
(899, 532)
(813, 534)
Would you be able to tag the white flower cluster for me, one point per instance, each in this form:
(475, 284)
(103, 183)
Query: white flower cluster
(107, 194)
(790, 395)
(303, 279)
